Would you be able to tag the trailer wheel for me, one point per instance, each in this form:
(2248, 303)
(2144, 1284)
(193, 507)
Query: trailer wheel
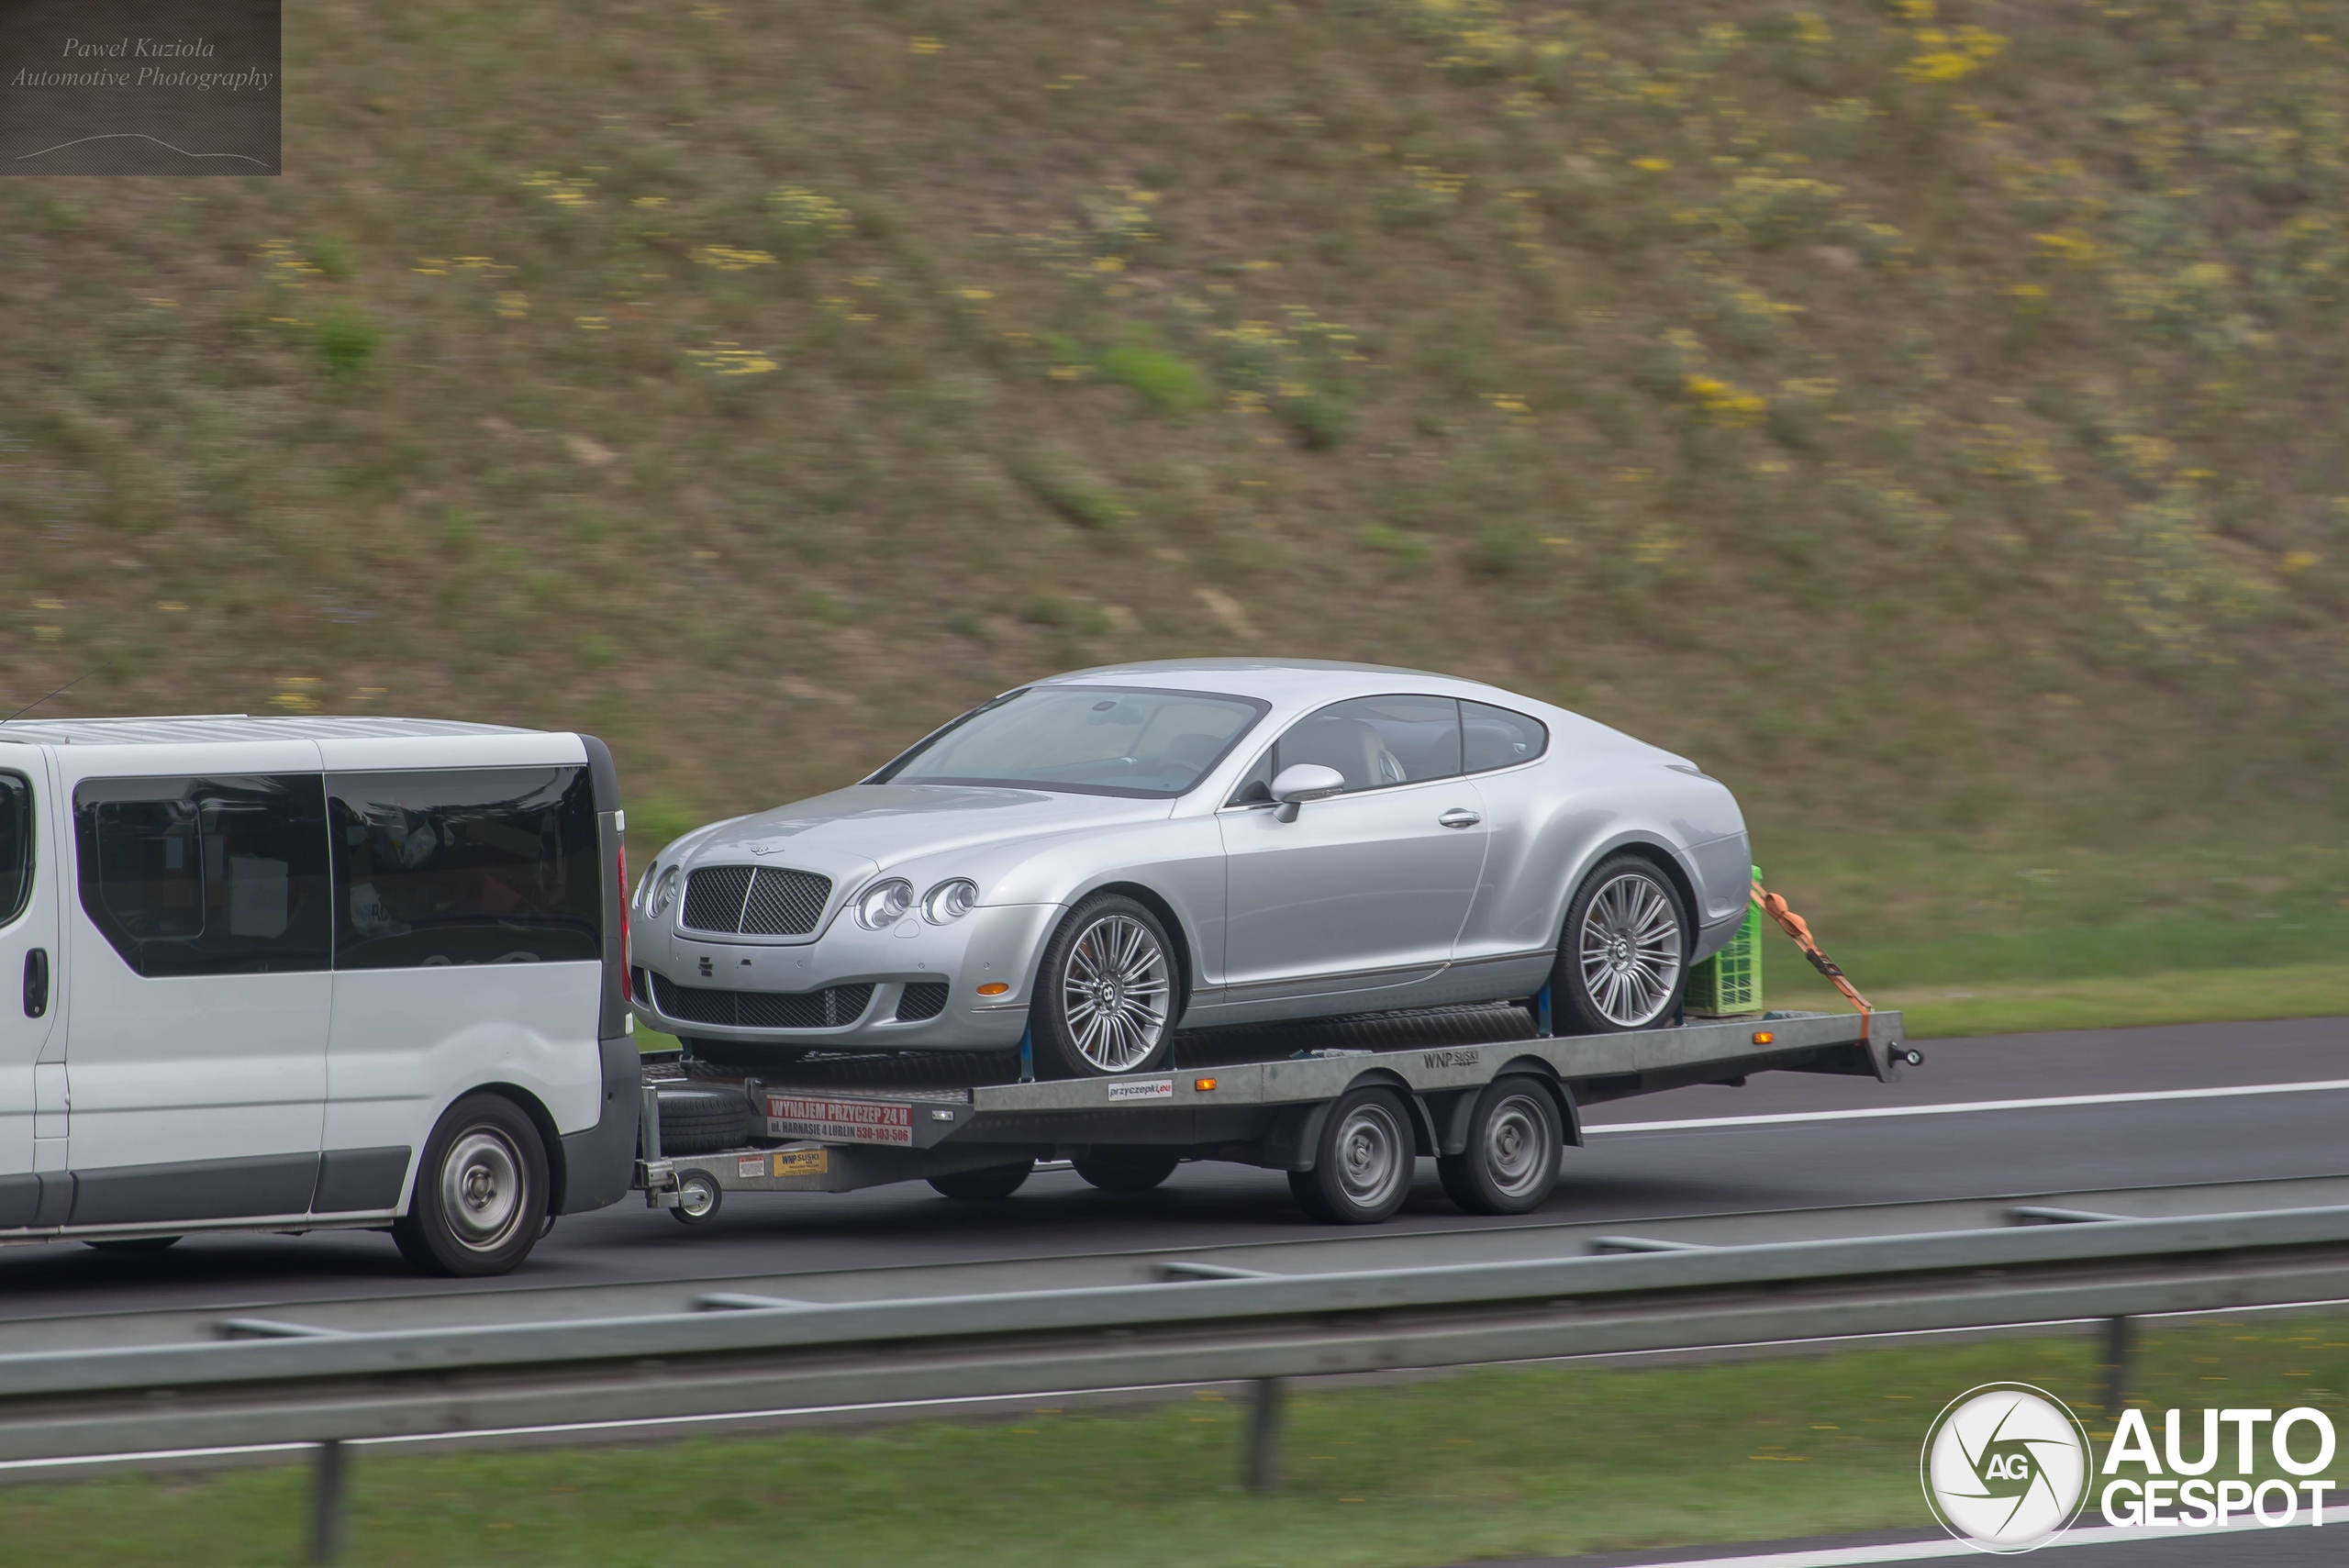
(994, 1181)
(1128, 1169)
(1511, 1162)
(1105, 992)
(481, 1192)
(1362, 1166)
(698, 1199)
(1623, 962)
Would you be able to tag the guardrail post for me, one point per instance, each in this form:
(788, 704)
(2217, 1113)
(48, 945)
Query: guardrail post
(2116, 1365)
(1262, 1472)
(325, 1504)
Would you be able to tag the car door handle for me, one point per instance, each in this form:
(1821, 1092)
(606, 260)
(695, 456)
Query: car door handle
(37, 982)
(1460, 816)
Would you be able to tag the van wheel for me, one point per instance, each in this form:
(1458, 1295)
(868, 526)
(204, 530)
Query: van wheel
(1510, 1164)
(1105, 992)
(1362, 1166)
(1623, 962)
(481, 1192)
(136, 1245)
(1128, 1169)
(994, 1181)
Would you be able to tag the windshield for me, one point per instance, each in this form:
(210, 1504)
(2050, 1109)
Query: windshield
(1090, 740)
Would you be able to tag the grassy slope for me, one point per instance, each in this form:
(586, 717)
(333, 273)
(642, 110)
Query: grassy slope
(1925, 419)
(1503, 1463)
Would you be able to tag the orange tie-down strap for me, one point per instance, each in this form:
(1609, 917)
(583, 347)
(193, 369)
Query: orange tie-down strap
(1795, 927)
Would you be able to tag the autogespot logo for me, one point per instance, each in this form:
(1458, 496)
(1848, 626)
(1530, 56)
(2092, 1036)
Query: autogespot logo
(2006, 1467)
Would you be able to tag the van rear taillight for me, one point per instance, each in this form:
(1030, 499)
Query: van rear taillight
(627, 990)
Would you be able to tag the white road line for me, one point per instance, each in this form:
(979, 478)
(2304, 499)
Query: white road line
(1960, 1107)
(1924, 1551)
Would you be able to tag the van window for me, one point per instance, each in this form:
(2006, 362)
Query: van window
(15, 845)
(489, 866)
(206, 876)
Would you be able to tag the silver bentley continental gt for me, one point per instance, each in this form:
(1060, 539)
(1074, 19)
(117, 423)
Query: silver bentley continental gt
(1090, 862)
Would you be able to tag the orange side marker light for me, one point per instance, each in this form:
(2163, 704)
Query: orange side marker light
(1763, 1037)
(994, 988)
(1203, 1086)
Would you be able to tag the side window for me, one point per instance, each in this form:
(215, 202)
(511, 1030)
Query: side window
(1496, 738)
(206, 876)
(492, 865)
(15, 845)
(1378, 742)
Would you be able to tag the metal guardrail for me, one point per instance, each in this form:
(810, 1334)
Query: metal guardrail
(280, 1383)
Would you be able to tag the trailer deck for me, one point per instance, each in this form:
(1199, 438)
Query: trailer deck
(1250, 1095)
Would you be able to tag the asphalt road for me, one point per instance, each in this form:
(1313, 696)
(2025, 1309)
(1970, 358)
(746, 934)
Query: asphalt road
(1724, 1164)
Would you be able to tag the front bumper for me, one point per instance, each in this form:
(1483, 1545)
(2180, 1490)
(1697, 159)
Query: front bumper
(993, 944)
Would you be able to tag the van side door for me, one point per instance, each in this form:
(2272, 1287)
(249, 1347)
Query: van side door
(28, 970)
(200, 988)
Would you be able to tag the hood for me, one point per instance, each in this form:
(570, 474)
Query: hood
(869, 828)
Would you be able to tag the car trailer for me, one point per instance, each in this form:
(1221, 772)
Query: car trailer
(1483, 1089)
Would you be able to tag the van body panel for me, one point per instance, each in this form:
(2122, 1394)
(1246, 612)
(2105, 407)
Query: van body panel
(406, 1044)
(29, 926)
(519, 749)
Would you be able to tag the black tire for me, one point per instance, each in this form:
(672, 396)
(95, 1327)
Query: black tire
(1634, 947)
(136, 1246)
(1128, 1169)
(1364, 1162)
(1510, 1164)
(480, 1194)
(698, 1118)
(1114, 1033)
(994, 1181)
(698, 1199)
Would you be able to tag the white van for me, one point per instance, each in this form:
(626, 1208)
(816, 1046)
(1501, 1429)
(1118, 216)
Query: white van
(309, 973)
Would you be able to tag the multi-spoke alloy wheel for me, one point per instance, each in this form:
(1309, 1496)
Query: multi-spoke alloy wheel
(1114, 993)
(1624, 961)
(1109, 992)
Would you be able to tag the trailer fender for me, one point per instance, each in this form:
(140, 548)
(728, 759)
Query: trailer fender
(1295, 1140)
(1560, 1094)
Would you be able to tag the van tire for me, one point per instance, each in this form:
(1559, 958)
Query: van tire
(703, 1119)
(482, 1192)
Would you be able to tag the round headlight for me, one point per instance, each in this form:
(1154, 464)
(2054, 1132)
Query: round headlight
(950, 901)
(664, 891)
(885, 904)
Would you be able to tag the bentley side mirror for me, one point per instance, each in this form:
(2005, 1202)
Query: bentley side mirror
(1302, 781)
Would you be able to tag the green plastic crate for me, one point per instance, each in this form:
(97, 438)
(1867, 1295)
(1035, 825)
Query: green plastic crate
(1730, 982)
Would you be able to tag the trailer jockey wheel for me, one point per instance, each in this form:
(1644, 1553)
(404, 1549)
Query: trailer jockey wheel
(698, 1199)
(1510, 1163)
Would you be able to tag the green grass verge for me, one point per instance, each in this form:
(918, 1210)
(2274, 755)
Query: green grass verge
(1498, 1464)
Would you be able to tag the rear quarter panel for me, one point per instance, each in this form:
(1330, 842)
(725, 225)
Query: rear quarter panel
(1596, 791)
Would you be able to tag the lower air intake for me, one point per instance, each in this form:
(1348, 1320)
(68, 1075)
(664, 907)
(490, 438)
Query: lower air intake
(834, 1007)
(923, 999)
